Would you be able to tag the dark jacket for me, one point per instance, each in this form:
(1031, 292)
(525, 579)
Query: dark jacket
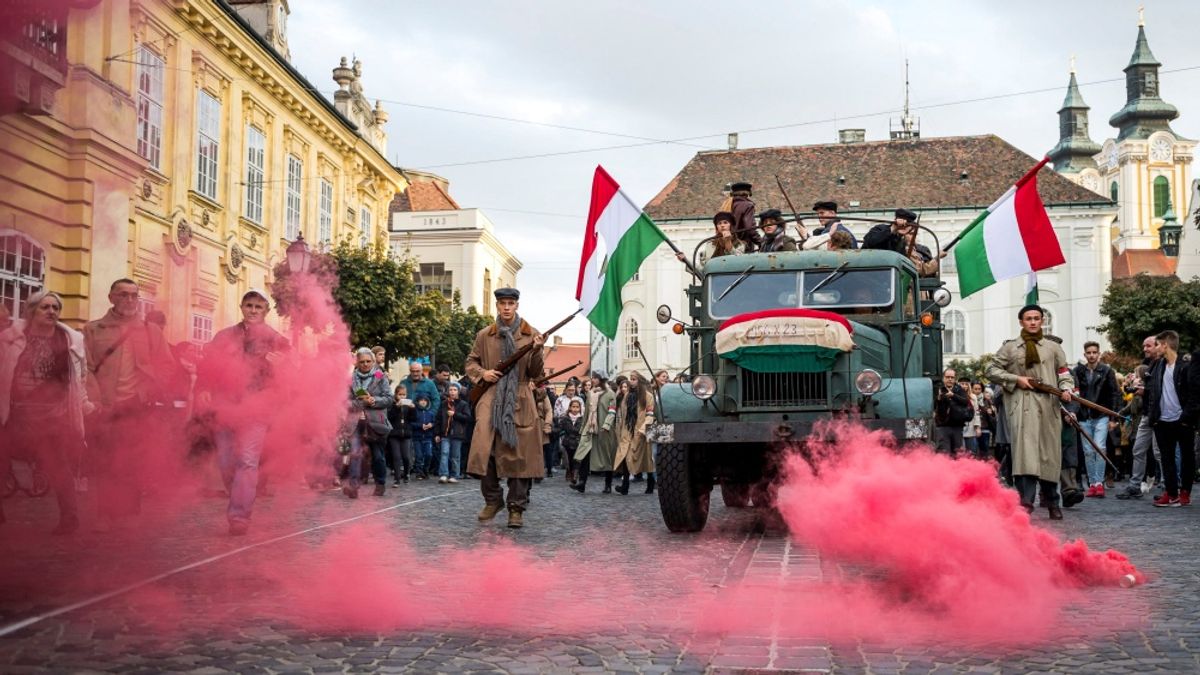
(1101, 390)
(744, 227)
(401, 419)
(420, 417)
(1187, 387)
(569, 432)
(953, 410)
(881, 237)
(460, 423)
(780, 242)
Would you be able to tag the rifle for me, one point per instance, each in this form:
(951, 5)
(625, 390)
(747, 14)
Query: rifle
(508, 364)
(1044, 388)
(1074, 423)
(803, 233)
(551, 376)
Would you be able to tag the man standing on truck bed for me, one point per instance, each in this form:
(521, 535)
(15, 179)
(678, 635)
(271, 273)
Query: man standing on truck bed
(1034, 418)
(742, 209)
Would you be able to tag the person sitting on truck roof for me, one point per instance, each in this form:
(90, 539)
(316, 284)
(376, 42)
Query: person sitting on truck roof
(900, 236)
(724, 244)
(774, 238)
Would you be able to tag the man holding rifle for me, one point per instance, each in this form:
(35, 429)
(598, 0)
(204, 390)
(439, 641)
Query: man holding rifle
(507, 442)
(1034, 418)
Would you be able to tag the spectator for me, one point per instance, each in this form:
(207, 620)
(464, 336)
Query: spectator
(422, 424)
(1143, 439)
(400, 437)
(43, 397)
(570, 426)
(570, 392)
(380, 355)
(453, 421)
(971, 429)
(442, 380)
(417, 383)
(1172, 410)
(1097, 383)
(370, 398)
(987, 419)
(951, 410)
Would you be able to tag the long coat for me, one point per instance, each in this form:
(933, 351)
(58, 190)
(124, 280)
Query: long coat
(632, 447)
(525, 460)
(598, 444)
(1034, 418)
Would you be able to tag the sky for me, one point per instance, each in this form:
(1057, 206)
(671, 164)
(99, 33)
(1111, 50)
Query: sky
(645, 75)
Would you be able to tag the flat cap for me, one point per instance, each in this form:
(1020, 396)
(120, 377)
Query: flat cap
(825, 206)
(507, 293)
(905, 214)
(740, 186)
(771, 213)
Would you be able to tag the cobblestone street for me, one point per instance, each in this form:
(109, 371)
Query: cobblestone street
(236, 628)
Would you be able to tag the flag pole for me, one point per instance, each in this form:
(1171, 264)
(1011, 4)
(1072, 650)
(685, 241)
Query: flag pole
(983, 216)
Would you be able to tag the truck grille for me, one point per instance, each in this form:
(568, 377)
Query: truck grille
(784, 390)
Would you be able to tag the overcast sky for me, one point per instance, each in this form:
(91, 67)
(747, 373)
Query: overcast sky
(668, 70)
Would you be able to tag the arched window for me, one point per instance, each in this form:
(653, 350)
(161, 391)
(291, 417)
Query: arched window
(1112, 191)
(22, 269)
(1162, 196)
(1047, 321)
(631, 336)
(954, 335)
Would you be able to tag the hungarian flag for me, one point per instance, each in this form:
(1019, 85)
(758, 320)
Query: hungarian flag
(618, 238)
(1012, 238)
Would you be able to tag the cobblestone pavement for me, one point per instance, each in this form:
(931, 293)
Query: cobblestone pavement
(231, 630)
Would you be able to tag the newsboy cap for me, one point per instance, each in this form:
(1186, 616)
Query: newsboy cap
(741, 186)
(771, 213)
(906, 215)
(507, 293)
(825, 206)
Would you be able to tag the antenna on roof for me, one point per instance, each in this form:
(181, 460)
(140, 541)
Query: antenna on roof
(907, 127)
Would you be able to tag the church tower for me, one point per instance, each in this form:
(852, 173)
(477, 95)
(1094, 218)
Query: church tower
(1075, 154)
(1147, 168)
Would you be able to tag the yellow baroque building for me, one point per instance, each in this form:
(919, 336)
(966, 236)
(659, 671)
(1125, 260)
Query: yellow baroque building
(181, 150)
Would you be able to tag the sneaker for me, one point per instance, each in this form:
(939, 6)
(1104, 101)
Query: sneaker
(379, 489)
(1166, 500)
(1131, 492)
(1099, 491)
(443, 480)
(396, 483)
(1185, 497)
(1146, 487)
(451, 479)
(1091, 491)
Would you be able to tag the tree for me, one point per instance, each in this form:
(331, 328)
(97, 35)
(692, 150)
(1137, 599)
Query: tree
(1145, 305)
(972, 370)
(458, 333)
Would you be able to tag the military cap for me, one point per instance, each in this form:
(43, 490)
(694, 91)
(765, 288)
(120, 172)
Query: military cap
(740, 186)
(507, 293)
(771, 213)
(825, 206)
(723, 215)
(905, 214)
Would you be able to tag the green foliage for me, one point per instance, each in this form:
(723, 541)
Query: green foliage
(458, 333)
(1145, 305)
(972, 369)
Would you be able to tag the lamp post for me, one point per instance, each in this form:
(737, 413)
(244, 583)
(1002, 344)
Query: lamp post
(298, 255)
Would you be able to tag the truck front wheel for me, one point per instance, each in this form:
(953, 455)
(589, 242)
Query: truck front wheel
(684, 487)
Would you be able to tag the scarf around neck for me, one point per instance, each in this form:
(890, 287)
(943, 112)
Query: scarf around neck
(504, 406)
(1031, 353)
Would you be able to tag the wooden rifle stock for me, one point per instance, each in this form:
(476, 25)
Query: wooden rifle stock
(511, 362)
(1044, 388)
(543, 380)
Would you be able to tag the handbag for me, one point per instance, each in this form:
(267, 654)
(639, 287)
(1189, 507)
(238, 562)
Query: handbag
(378, 421)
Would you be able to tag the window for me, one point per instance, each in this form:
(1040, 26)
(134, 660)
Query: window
(1047, 321)
(22, 270)
(256, 153)
(631, 337)
(1162, 196)
(434, 277)
(325, 213)
(208, 145)
(291, 215)
(954, 335)
(202, 328)
(487, 291)
(149, 105)
(364, 225)
(637, 276)
(1112, 191)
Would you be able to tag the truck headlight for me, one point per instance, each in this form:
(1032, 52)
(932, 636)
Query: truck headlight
(868, 382)
(704, 387)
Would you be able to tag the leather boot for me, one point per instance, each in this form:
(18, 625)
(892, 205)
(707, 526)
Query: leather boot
(488, 512)
(607, 483)
(623, 488)
(515, 519)
(650, 482)
(580, 486)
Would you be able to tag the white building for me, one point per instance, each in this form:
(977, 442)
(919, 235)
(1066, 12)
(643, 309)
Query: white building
(456, 248)
(948, 181)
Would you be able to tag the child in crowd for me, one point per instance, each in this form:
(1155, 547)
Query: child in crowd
(400, 450)
(422, 424)
(570, 426)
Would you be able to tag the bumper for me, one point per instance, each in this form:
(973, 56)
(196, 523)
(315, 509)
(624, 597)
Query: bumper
(720, 432)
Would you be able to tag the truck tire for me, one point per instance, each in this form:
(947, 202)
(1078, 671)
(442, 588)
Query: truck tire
(735, 495)
(684, 488)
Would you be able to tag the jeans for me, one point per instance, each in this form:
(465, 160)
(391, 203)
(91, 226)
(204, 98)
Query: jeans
(1142, 442)
(238, 454)
(423, 454)
(358, 446)
(448, 464)
(1172, 436)
(1098, 429)
(971, 443)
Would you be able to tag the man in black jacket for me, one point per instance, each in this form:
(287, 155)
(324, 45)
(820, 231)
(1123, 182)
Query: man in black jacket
(951, 410)
(1172, 413)
(900, 236)
(1097, 383)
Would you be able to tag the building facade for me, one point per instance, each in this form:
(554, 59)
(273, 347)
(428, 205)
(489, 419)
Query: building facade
(455, 249)
(187, 153)
(948, 181)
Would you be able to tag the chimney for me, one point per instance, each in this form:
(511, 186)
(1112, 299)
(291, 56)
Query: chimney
(557, 341)
(733, 140)
(852, 135)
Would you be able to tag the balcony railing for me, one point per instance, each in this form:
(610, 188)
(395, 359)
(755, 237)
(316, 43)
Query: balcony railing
(42, 33)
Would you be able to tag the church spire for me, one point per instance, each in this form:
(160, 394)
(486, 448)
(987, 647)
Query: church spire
(1075, 150)
(1144, 112)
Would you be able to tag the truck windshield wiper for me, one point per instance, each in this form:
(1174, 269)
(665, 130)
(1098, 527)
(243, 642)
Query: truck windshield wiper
(736, 282)
(822, 283)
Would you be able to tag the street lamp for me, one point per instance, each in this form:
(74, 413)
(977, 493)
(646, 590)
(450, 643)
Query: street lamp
(298, 255)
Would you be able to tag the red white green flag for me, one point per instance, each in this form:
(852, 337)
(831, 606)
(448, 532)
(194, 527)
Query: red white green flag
(1012, 238)
(617, 239)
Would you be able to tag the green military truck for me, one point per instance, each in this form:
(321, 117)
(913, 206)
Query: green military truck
(779, 342)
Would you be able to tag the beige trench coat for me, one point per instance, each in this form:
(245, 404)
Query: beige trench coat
(632, 447)
(1034, 419)
(524, 461)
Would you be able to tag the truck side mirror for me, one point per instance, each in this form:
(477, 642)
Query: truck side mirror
(663, 314)
(941, 297)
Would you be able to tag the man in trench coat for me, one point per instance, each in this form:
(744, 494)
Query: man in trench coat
(1034, 418)
(507, 441)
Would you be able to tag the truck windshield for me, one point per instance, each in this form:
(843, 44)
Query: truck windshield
(852, 289)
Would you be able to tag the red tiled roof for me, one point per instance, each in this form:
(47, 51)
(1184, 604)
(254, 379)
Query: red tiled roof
(423, 196)
(565, 355)
(1152, 261)
(880, 175)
